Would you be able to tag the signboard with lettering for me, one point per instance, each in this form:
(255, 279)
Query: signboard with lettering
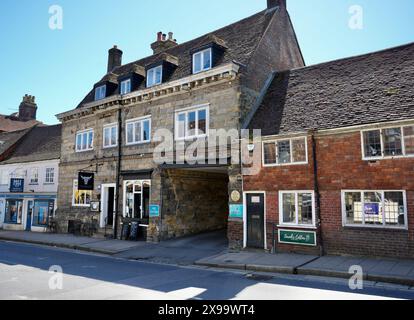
(236, 211)
(304, 238)
(16, 185)
(86, 181)
(372, 208)
(154, 211)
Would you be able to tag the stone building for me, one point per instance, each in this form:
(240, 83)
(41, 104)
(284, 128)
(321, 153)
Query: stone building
(337, 172)
(189, 89)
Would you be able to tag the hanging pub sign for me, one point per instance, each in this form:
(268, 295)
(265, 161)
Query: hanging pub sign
(86, 181)
(16, 185)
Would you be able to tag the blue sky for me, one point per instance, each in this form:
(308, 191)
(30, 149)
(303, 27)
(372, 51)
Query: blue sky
(60, 66)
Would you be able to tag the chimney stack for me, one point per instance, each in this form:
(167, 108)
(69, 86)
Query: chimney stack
(114, 58)
(276, 3)
(163, 43)
(27, 108)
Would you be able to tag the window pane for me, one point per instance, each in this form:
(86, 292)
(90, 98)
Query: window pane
(305, 208)
(372, 143)
(270, 153)
(409, 140)
(147, 133)
(41, 213)
(150, 77)
(191, 124)
(289, 209)
(90, 140)
(197, 62)
(114, 135)
(158, 75)
(84, 141)
(138, 137)
(202, 121)
(392, 142)
(106, 137)
(78, 142)
(353, 207)
(14, 211)
(130, 132)
(373, 208)
(283, 152)
(181, 125)
(299, 150)
(394, 209)
(207, 60)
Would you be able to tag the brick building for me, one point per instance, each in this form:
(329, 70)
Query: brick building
(189, 89)
(337, 172)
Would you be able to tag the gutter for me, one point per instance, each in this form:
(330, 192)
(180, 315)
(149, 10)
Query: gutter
(118, 172)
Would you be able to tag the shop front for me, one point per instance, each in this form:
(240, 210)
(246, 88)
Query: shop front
(136, 209)
(26, 212)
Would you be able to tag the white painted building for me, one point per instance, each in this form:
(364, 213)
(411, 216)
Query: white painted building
(29, 181)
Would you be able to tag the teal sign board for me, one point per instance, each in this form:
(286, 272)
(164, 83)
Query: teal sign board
(304, 238)
(154, 211)
(236, 211)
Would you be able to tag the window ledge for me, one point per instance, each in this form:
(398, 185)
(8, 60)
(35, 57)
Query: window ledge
(297, 226)
(377, 228)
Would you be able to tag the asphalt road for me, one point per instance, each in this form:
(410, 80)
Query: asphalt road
(24, 274)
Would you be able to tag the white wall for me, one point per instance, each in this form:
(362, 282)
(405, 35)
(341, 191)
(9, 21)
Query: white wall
(23, 171)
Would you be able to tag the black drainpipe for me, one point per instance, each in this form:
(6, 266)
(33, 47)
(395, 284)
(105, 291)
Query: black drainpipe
(118, 172)
(317, 194)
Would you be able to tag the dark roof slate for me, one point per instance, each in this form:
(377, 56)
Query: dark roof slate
(9, 139)
(372, 88)
(240, 40)
(41, 143)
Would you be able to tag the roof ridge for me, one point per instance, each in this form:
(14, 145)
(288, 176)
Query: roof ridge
(403, 46)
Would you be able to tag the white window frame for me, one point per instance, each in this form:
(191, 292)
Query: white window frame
(297, 225)
(363, 225)
(134, 182)
(154, 77)
(75, 183)
(100, 92)
(383, 156)
(82, 132)
(34, 172)
(50, 173)
(291, 152)
(136, 120)
(186, 112)
(201, 53)
(110, 127)
(125, 84)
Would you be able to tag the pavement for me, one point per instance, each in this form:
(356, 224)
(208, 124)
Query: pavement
(32, 272)
(210, 250)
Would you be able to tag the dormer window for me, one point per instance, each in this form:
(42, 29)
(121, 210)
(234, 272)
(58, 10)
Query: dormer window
(154, 76)
(202, 61)
(100, 93)
(125, 86)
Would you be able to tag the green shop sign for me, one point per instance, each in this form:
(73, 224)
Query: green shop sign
(304, 238)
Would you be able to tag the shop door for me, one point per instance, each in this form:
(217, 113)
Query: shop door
(255, 220)
(111, 206)
(29, 215)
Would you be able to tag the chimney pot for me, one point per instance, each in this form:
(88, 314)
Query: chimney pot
(159, 36)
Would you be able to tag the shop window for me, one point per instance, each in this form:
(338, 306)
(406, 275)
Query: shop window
(81, 198)
(192, 123)
(43, 210)
(137, 200)
(374, 208)
(284, 152)
(14, 211)
(297, 208)
(388, 142)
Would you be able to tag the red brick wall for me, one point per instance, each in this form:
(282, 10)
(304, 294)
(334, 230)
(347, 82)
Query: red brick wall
(340, 167)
